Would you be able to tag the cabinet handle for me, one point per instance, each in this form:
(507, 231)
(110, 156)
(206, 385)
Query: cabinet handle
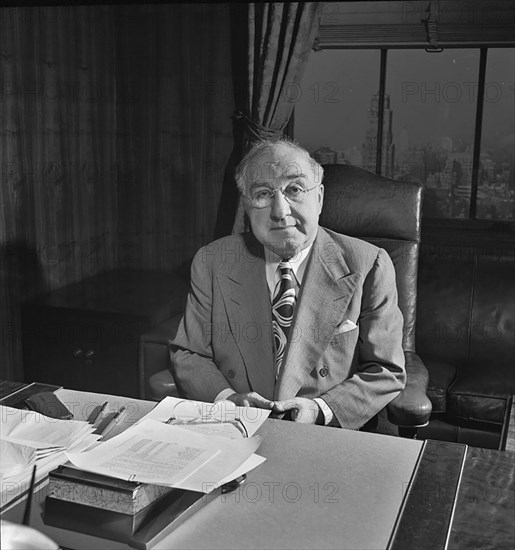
(77, 353)
(90, 353)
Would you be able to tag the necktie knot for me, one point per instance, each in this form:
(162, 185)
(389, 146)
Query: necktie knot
(286, 271)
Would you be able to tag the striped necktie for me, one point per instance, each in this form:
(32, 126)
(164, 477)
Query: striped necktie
(282, 311)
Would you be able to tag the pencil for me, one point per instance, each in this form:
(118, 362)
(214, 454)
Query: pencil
(100, 413)
(114, 421)
(28, 505)
(97, 413)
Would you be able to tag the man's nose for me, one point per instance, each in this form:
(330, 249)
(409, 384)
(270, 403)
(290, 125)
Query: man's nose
(280, 206)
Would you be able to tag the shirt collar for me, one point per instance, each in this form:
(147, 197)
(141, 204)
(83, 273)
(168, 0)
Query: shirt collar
(298, 264)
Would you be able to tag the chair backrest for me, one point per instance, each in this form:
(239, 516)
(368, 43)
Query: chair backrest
(383, 212)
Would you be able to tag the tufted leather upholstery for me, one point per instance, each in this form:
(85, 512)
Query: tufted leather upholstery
(386, 213)
(466, 336)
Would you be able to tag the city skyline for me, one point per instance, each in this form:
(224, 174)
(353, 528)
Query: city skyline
(445, 170)
(434, 102)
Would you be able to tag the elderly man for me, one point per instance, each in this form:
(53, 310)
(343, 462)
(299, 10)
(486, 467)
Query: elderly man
(291, 316)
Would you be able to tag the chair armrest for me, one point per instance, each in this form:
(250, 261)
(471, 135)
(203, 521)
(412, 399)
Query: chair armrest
(162, 384)
(154, 361)
(412, 408)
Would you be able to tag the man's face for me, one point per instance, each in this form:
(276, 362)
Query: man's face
(284, 227)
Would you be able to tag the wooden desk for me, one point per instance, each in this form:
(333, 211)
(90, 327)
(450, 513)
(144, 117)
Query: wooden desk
(485, 510)
(298, 497)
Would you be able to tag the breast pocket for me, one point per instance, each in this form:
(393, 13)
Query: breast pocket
(343, 338)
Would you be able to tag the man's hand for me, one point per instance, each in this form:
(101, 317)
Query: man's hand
(251, 399)
(302, 410)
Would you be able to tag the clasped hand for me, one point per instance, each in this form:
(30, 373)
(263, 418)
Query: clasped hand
(300, 409)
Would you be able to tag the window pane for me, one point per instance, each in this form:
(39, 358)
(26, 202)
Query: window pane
(496, 186)
(332, 111)
(432, 99)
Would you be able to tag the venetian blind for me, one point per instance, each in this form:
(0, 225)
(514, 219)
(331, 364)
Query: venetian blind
(409, 24)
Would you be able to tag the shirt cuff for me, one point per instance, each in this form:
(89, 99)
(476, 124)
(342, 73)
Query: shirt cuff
(326, 410)
(224, 394)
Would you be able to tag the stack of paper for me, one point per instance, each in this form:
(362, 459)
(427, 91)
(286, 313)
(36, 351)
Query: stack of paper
(29, 438)
(158, 452)
(15, 458)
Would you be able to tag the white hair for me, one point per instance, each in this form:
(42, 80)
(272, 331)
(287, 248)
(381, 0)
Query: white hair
(242, 170)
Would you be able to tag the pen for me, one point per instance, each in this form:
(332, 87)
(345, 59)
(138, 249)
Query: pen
(95, 416)
(114, 421)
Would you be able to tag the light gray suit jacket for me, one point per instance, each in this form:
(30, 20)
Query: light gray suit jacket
(225, 337)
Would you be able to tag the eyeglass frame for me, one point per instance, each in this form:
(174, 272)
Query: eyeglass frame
(273, 193)
(199, 417)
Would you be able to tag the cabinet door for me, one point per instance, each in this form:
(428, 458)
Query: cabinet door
(82, 350)
(51, 341)
(110, 356)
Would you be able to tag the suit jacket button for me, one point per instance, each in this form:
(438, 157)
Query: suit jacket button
(231, 374)
(324, 371)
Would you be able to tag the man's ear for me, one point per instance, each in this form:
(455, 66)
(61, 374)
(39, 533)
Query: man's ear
(321, 196)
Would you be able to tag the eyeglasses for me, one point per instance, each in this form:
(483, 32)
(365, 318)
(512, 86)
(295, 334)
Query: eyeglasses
(264, 196)
(187, 412)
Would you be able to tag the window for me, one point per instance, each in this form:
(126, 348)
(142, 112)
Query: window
(496, 190)
(433, 99)
(447, 113)
(331, 112)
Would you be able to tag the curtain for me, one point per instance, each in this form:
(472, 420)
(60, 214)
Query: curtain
(272, 43)
(115, 130)
(57, 203)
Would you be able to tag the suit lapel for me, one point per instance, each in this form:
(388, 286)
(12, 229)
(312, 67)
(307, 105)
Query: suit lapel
(247, 302)
(326, 291)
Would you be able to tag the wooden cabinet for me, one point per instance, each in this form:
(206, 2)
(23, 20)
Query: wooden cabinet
(85, 336)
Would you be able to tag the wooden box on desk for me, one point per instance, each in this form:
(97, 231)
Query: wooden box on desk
(138, 514)
(86, 335)
(73, 485)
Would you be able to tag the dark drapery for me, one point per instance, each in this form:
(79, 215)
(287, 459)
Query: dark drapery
(115, 130)
(271, 45)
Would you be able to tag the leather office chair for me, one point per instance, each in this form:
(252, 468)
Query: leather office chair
(386, 213)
